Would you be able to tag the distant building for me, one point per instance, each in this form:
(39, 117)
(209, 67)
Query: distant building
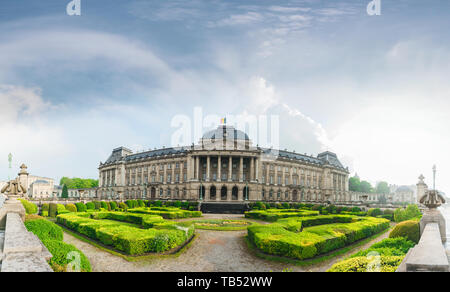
(404, 194)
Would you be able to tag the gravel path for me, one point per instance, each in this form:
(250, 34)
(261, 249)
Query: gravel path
(212, 251)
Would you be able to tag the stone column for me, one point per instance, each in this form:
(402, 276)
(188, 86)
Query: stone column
(230, 168)
(197, 169)
(173, 173)
(208, 168)
(165, 173)
(276, 175)
(290, 176)
(252, 167)
(229, 190)
(241, 169)
(240, 195)
(283, 178)
(257, 169)
(267, 174)
(219, 168)
(181, 171)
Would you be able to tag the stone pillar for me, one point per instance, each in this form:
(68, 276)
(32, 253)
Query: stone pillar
(173, 173)
(165, 173)
(229, 190)
(230, 168)
(208, 168)
(240, 195)
(257, 169)
(283, 177)
(181, 171)
(252, 167)
(219, 168)
(276, 175)
(197, 169)
(267, 174)
(241, 169)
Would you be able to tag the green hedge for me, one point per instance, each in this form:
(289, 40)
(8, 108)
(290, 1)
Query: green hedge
(81, 207)
(390, 250)
(30, 208)
(44, 229)
(362, 264)
(407, 229)
(113, 205)
(52, 210)
(167, 212)
(71, 208)
(51, 236)
(288, 237)
(272, 215)
(90, 206)
(133, 240)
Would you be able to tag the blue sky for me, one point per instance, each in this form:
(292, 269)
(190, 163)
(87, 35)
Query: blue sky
(374, 89)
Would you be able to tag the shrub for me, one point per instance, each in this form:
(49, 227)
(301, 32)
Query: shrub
(113, 205)
(177, 204)
(44, 229)
(97, 205)
(356, 209)
(140, 203)
(374, 212)
(30, 208)
(71, 208)
(45, 208)
(157, 235)
(80, 207)
(411, 212)
(398, 246)
(51, 236)
(90, 206)
(407, 229)
(123, 206)
(362, 264)
(283, 237)
(52, 210)
(61, 258)
(105, 205)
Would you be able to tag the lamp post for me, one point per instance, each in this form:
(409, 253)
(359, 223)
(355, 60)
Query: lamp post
(246, 191)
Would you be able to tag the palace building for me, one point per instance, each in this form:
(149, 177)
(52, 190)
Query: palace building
(223, 167)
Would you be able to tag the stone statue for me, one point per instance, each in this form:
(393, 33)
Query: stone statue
(432, 199)
(14, 188)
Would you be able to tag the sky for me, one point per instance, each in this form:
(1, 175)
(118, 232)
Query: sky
(372, 89)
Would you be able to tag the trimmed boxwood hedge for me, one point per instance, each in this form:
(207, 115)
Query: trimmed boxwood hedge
(154, 234)
(272, 215)
(51, 236)
(30, 208)
(71, 208)
(167, 212)
(81, 207)
(288, 238)
(361, 264)
(90, 206)
(408, 229)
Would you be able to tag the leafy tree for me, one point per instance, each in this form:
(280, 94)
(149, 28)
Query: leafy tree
(65, 193)
(382, 188)
(354, 184)
(366, 187)
(78, 183)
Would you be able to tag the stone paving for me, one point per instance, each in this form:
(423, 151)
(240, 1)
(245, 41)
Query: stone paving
(212, 251)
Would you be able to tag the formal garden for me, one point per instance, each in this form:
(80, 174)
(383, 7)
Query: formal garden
(294, 233)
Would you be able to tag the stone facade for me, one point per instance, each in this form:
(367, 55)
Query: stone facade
(223, 166)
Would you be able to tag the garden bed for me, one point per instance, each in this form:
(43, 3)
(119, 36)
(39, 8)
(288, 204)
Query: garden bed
(149, 234)
(273, 215)
(222, 224)
(167, 212)
(307, 237)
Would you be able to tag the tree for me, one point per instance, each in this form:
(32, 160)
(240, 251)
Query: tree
(365, 187)
(65, 193)
(79, 183)
(383, 188)
(354, 184)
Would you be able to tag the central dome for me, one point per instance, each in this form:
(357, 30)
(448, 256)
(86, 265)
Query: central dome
(226, 133)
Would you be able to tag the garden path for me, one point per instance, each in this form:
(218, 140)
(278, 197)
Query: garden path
(212, 251)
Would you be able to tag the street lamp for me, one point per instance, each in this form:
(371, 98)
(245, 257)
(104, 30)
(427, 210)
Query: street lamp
(246, 190)
(201, 191)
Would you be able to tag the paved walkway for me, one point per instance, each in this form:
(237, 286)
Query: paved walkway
(212, 251)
